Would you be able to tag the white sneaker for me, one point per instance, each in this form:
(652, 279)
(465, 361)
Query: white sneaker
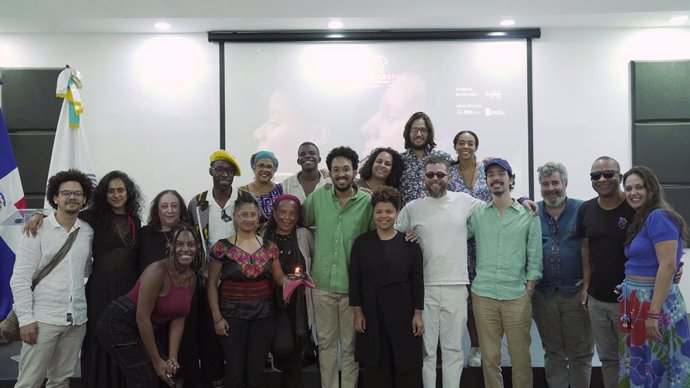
(475, 358)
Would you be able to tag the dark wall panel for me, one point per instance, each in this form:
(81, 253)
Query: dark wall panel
(661, 90)
(28, 99)
(664, 147)
(679, 198)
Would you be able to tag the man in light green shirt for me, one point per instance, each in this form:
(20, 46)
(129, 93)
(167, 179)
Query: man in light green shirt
(509, 264)
(340, 212)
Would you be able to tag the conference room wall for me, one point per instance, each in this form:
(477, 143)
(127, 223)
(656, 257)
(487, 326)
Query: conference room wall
(152, 101)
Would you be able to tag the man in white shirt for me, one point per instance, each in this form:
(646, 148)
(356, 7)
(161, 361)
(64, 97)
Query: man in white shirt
(52, 317)
(211, 212)
(440, 222)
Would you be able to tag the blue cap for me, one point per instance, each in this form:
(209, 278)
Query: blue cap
(498, 161)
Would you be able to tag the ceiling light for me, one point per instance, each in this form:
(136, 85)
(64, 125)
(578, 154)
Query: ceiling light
(335, 36)
(678, 19)
(162, 26)
(335, 24)
(496, 33)
(507, 22)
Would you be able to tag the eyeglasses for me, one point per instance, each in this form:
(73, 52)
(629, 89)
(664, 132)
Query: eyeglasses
(225, 216)
(415, 131)
(606, 174)
(431, 175)
(70, 193)
(222, 171)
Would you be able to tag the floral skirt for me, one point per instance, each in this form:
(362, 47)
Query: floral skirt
(646, 362)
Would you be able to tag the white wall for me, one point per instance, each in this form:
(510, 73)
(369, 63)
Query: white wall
(582, 97)
(149, 101)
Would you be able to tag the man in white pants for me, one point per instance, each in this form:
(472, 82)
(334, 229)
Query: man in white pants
(440, 222)
(52, 316)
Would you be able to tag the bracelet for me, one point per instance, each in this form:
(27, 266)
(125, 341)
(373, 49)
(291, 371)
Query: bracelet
(218, 321)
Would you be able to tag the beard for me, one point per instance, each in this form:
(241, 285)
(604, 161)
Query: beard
(555, 202)
(438, 193)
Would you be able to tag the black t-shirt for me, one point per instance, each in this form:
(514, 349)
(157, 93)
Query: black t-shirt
(606, 230)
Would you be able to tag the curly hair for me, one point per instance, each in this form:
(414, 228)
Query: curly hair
(387, 194)
(182, 227)
(345, 152)
(394, 177)
(155, 219)
(71, 175)
(655, 200)
(430, 144)
(103, 212)
(466, 131)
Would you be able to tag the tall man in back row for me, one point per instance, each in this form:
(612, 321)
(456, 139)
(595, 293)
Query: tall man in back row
(211, 212)
(509, 265)
(340, 212)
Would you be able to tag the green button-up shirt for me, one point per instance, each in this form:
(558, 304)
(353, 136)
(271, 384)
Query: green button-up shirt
(336, 229)
(509, 251)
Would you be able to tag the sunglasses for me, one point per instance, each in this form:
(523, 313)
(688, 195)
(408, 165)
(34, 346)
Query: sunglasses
(439, 175)
(606, 174)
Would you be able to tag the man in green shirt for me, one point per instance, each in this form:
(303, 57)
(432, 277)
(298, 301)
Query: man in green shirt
(340, 212)
(509, 264)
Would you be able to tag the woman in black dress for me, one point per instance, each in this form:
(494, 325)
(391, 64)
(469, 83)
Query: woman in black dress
(115, 215)
(294, 319)
(387, 298)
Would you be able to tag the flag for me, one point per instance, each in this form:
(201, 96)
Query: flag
(71, 148)
(11, 200)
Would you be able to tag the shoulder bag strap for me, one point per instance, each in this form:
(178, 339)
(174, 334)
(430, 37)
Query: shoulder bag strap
(56, 259)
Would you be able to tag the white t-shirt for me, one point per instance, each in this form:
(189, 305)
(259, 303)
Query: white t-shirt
(441, 225)
(217, 228)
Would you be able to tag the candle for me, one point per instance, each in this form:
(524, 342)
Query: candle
(297, 271)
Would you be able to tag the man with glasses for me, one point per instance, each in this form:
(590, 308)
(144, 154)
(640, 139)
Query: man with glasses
(439, 220)
(52, 316)
(509, 265)
(419, 145)
(602, 223)
(340, 212)
(563, 324)
(211, 212)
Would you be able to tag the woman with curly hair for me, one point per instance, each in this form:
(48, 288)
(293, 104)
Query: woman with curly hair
(654, 342)
(383, 167)
(115, 215)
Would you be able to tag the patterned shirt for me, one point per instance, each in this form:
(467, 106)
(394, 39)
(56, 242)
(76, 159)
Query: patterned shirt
(412, 181)
(457, 183)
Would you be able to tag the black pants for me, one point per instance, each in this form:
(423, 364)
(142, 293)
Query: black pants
(209, 349)
(246, 349)
(385, 375)
(119, 334)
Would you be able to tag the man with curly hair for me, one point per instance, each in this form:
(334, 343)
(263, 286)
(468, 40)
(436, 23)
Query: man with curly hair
(52, 316)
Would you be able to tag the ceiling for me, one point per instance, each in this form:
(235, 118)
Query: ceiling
(186, 16)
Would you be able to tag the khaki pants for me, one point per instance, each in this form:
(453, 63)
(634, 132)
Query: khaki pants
(54, 355)
(335, 324)
(605, 319)
(514, 318)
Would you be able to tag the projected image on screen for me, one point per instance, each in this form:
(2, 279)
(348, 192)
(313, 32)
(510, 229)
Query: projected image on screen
(279, 95)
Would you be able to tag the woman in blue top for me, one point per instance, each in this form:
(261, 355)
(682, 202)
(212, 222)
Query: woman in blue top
(655, 341)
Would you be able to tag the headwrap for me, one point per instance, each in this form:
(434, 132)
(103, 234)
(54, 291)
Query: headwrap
(225, 155)
(290, 197)
(263, 155)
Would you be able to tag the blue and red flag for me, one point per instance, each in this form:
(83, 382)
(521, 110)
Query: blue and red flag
(11, 201)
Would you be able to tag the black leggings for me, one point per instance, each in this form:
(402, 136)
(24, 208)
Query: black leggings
(246, 349)
(119, 334)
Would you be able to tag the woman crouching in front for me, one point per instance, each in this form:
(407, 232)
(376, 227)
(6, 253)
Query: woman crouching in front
(242, 306)
(162, 294)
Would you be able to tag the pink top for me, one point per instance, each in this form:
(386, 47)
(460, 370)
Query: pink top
(175, 304)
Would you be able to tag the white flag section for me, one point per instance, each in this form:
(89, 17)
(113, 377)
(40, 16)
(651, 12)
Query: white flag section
(71, 148)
